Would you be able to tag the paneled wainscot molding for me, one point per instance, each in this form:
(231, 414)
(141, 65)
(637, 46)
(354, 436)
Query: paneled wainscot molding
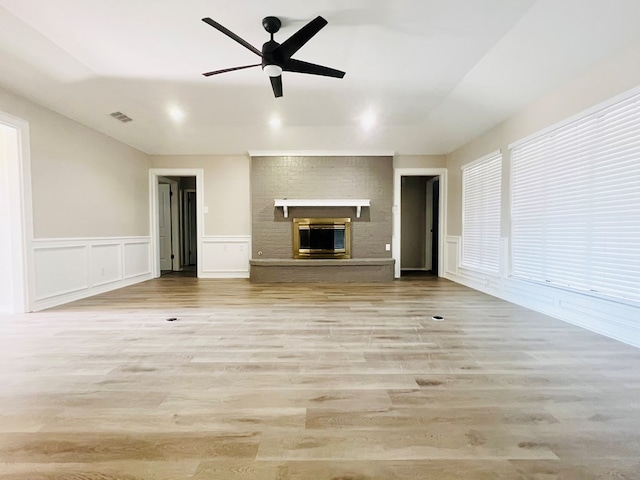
(607, 317)
(226, 256)
(69, 269)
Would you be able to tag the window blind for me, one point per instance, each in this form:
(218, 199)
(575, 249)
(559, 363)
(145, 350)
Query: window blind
(481, 194)
(575, 207)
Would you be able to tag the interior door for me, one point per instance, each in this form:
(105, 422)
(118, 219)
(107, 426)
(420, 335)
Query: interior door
(164, 224)
(436, 227)
(190, 230)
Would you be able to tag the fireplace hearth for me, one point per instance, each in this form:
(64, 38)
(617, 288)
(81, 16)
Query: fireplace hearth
(321, 238)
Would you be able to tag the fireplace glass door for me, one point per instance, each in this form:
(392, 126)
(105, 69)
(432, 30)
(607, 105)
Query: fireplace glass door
(321, 238)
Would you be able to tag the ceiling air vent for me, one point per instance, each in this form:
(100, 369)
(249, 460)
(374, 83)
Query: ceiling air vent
(121, 116)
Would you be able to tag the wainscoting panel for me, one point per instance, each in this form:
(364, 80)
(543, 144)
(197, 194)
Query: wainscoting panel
(106, 264)
(60, 269)
(618, 320)
(68, 269)
(452, 255)
(136, 258)
(226, 256)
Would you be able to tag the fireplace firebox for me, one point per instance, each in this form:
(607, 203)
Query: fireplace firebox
(321, 238)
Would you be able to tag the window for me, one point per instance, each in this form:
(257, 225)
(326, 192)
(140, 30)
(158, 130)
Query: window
(575, 209)
(481, 188)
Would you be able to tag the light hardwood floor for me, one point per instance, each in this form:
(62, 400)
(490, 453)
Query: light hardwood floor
(329, 382)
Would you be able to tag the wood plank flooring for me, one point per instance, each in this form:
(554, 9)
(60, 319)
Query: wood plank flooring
(316, 381)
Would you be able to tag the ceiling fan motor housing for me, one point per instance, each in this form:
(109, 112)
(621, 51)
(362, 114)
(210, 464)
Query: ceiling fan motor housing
(271, 56)
(276, 57)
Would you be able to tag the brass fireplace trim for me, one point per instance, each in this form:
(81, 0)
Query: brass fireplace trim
(309, 253)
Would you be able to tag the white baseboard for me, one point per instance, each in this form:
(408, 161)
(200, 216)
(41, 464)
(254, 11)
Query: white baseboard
(69, 269)
(607, 317)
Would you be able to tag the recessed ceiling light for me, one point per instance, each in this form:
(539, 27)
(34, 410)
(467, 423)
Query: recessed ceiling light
(275, 122)
(368, 120)
(176, 114)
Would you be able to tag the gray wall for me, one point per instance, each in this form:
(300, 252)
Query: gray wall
(321, 178)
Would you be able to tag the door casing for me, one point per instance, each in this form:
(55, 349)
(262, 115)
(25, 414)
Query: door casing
(154, 174)
(20, 220)
(398, 173)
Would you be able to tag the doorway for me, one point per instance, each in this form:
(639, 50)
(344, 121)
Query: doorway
(418, 221)
(419, 201)
(177, 225)
(16, 228)
(189, 251)
(176, 198)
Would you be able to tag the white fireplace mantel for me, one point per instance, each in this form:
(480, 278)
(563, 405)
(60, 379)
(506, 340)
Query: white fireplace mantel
(285, 203)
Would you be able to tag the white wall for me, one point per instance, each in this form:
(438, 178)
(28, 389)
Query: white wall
(612, 78)
(88, 189)
(7, 146)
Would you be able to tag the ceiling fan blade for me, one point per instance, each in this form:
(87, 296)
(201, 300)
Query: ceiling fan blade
(232, 35)
(299, 66)
(216, 72)
(292, 44)
(276, 84)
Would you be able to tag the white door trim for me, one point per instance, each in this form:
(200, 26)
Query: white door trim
(21, 216)
(154, 174)
(398, 173)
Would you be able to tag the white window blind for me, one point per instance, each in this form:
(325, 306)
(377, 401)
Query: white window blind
(481, 188)
(576, 204)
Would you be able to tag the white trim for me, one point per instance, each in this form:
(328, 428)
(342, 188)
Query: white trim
(452, 248)
(154, 173)
(21, 216)
(285, 203)
(481, 159)
(607, 103)
(598, 315)
(241, 244)
(398, 173)
(83, 282)
(321, 153)
(42, 242)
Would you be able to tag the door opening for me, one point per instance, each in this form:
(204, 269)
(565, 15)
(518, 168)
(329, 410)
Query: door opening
(16, 227)
(189, 231)
(175, 222)
(419, 239)
(419, 217)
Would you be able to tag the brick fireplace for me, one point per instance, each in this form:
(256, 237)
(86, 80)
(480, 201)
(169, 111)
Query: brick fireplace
(335, 183)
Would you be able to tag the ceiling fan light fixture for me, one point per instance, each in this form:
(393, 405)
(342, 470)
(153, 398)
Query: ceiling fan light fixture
(272, 70)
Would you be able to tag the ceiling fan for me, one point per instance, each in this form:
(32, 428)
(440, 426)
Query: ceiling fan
(276, 57)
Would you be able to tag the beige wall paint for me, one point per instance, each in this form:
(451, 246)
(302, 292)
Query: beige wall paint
(419, 161)
(226, 189)
(613, 77)
(85, 184)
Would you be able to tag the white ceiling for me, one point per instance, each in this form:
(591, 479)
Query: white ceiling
(436, 73)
